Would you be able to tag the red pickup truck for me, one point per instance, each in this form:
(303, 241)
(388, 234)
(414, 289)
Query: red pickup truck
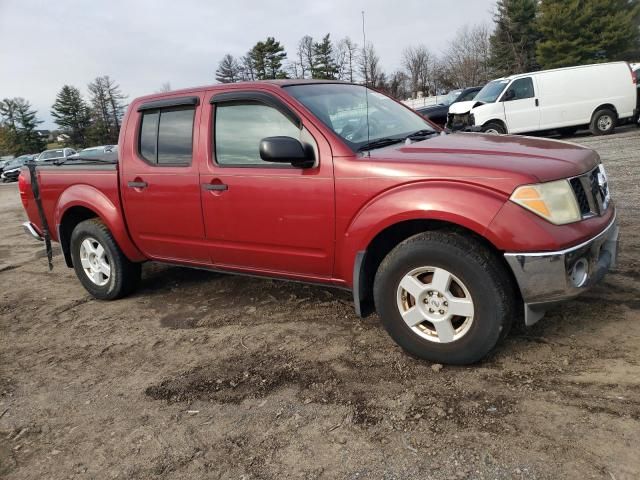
(449, 237)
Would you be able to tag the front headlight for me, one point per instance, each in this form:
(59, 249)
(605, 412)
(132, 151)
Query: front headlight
(553, 201)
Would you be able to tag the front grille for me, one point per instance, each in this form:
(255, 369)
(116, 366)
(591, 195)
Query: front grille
(459, 121)
(581, 196)
(592, 192)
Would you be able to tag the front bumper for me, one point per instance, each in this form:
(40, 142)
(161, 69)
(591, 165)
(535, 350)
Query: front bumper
(547, 278)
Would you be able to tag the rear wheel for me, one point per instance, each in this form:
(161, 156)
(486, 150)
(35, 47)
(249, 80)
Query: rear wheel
(444, 298)
(102, 268)
(494, 128)
(603, 122)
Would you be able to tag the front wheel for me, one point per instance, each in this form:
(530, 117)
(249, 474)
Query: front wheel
(444, 298)
(494, 128)
(102, 268)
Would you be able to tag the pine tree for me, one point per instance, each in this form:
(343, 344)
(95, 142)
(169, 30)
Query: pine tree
(71, 114)
(324, 63)
(20, 122)
(513, 42)
(229, 70)
(576, 32)
(30, 140)
(266, 58)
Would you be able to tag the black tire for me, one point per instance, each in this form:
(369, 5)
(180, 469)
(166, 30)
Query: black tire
(480, 270)
(491, 127)
(124, 275)
(599, 124)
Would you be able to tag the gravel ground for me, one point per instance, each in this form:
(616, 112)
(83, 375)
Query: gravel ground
(202, 375)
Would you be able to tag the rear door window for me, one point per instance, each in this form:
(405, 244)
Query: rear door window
(166, 136)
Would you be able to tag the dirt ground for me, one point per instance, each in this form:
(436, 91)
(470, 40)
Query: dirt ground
(202, 375)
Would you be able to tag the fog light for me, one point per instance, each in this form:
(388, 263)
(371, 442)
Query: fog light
(579, 272)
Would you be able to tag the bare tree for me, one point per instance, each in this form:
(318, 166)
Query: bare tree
(466, 61)
(165, 87)
(346, 59)
(418, 63)
(305, 57)
(352, 57)
(369, 64)
(247, 69)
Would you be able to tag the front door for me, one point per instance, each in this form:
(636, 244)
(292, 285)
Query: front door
(263, 217)
(521, 106)
(160, 181)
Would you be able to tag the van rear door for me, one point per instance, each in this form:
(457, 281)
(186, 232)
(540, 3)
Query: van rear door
(521, 106)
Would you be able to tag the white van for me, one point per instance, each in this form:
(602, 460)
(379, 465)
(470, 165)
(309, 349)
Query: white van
(599, 96)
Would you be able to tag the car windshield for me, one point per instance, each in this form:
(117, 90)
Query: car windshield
(49, 154)
(343, 108)
(491, 91)
(451, 97)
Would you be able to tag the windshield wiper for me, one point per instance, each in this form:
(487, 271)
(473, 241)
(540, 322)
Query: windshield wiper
(380, 142)
(421, 134)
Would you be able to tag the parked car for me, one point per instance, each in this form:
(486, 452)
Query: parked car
(55, 155)
(438, 113)
(595, 96)
(447, 236)
(101, 153)
(95, 151)
(11, 169)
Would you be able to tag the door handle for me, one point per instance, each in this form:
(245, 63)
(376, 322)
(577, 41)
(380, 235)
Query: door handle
(215, 186)
(537, 103)
(137, 184)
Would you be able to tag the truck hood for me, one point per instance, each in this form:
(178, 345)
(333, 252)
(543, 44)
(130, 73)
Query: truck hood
(521, 158)
(462, 107)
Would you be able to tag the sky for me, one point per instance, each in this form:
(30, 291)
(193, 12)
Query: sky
(45, 44)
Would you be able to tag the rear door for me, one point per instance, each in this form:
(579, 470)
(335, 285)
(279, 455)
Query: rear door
(521, 106)
(266, 217)
(160, 181)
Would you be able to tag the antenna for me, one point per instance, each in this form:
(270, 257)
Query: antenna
(366, 87)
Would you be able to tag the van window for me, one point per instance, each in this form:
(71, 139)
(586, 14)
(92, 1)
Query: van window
(523, 88)
(166, 136)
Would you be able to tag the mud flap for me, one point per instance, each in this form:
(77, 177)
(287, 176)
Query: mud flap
(35, 188)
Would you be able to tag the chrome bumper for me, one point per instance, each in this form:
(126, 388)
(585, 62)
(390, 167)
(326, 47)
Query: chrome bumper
(31, 230)
(547, 278)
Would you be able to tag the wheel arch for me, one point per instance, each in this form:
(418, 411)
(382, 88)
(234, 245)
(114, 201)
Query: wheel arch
(82, 202)
(605, 106)
(369, 259)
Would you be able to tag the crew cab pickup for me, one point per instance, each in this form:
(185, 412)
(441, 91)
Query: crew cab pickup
(449, 237)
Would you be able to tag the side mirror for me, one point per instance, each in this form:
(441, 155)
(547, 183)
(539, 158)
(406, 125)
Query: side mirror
(509, 95)
(286, 150)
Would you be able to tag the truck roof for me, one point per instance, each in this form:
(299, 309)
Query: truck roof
(256, 83)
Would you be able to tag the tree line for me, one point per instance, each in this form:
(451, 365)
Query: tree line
(527, 35)
(95, 121)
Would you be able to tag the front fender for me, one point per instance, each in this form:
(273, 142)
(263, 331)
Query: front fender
(464, 204)
(81, 195)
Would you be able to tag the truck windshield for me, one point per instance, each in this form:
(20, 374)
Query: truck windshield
(491, 91)
(343, 108)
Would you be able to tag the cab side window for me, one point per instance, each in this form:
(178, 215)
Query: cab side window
(522, 88)
(166, 136)
(239, 127)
